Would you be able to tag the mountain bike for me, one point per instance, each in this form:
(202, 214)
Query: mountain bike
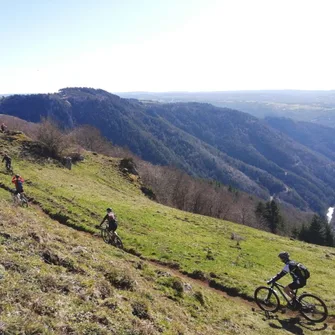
(20, 199)
(110, 237)
(9, 169)
(310, 306)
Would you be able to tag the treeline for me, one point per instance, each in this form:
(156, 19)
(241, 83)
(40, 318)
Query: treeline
(174, 188)
(317, 232)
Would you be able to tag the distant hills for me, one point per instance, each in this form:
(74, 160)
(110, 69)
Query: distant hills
(310, 106)
(314, 136)
(204, 140)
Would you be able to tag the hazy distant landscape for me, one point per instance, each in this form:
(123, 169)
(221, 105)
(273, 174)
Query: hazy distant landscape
(311, 106)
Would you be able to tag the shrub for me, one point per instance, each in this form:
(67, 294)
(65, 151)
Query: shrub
(198, 274)
(129, 164)
(49, 134)
(174, 283)
(121, 280)
(140, 309)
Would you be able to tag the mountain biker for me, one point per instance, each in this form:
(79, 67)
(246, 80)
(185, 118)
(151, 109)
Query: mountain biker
(18, 181)
(3, 127)
(8, 161)
(292, 268)
(111, 218)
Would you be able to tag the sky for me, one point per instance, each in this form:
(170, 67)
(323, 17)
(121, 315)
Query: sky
(166, 45)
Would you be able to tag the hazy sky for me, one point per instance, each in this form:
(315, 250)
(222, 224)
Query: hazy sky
(166, 45)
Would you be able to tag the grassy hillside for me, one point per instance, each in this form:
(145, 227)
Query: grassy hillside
(60, 281)
(192, 244)
(226, 145)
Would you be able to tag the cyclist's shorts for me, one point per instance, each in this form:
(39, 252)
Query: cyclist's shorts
(295, 285)
(112, 226)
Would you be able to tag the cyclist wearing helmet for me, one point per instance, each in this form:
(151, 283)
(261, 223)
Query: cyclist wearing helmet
(18, 181)
(290, 267)
(111, 218)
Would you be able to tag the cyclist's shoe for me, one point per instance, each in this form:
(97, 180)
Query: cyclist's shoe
(295, 304)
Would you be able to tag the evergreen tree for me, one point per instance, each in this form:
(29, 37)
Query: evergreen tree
(329, 236)
(273, 218)
(316, 231)
(295, 233)
(260, 209)
(259, 212)
(303, 235)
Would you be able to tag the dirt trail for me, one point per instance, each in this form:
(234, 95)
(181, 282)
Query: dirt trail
(166, 267)
(185, 277)
(169, 268)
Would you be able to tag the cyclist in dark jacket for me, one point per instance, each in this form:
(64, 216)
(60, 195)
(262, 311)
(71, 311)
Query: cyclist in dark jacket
(290, 267)
(111, 218)
(8, 161)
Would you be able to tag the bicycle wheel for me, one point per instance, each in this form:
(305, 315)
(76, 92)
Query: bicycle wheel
(313, 308)
(24, 201)
(105, 235)
(117, 242)
(266, 299)
(16, 201)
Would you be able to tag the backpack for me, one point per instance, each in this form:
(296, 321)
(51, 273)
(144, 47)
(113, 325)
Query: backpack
(304, 273)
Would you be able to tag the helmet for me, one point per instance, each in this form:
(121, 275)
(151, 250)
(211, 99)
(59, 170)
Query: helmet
(17, 176)
(109, 209)
(284, 255)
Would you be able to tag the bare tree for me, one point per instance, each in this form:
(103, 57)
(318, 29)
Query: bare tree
(52, 137)
(90, 138)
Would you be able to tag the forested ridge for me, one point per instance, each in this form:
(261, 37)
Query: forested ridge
(314, 136)
(229, 146)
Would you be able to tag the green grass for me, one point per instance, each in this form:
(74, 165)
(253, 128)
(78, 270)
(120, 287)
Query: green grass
(87, 287)
(157, 232)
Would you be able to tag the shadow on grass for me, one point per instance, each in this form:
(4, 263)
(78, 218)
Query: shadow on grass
(296, 326)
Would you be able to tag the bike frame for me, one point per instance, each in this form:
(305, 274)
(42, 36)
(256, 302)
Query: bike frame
(19, 198)
(280, 287)
(109, 232)
(9, 168)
